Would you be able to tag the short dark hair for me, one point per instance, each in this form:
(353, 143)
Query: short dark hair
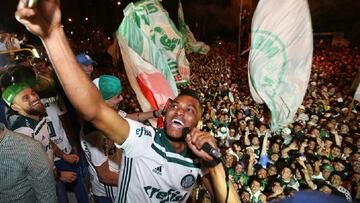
(334, 173)
(191, 93)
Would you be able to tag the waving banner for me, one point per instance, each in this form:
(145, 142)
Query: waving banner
(280, 57)
(153, 53)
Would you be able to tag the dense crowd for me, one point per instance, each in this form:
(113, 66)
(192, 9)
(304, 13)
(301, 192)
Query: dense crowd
(318, 151)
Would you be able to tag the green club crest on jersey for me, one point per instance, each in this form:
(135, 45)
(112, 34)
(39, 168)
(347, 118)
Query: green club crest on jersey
(187, 181)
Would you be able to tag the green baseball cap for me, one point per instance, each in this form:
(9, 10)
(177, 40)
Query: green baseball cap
(108, 85)
(328, 167)
(9, 93)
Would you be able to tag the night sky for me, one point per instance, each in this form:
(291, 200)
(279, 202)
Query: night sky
(209, 20)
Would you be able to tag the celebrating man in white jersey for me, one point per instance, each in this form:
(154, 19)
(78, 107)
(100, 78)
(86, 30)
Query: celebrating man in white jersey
(157, 165)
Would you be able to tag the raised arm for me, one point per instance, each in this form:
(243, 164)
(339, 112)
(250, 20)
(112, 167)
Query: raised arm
(336, 136)
(246, 137)
(195, 140)
(265, 144)
(218, 178)
(143, 116)
(44, 20)
(307, 177)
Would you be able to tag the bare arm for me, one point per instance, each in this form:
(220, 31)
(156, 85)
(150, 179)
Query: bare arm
(218, 178)
(105, 175)
(69, 158)
(302, 147)
(195, 140)
(264, 144)
(57, 151)
(250, 168)
(278, 190)
(307, 177)
(44, 21)
(285, 151)
(317, 167)
(336, 136)
(143, 116)
(246, 137)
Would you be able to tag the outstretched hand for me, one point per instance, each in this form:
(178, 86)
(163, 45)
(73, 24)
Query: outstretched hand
(195, 141)
(41, 19)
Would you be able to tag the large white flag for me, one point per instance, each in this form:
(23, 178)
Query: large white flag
(280, 57)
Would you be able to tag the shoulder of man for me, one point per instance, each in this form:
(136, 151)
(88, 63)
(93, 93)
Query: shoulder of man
(22, 121)
(23, 140)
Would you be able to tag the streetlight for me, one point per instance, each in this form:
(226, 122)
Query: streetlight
(86, 18)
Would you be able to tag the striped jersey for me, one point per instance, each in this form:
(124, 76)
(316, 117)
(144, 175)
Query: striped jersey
(151, 170)
(98, 149)
(55, 108)
(38, 130)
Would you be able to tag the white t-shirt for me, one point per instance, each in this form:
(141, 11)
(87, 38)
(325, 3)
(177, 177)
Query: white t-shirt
(151, 171)
(54, 108)
(98, 149)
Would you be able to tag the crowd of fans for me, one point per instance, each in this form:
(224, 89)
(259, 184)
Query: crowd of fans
(11, 41)
(318, 151)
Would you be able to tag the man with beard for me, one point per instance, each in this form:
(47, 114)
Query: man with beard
(158, 165)
(31, 122)
(58, 123)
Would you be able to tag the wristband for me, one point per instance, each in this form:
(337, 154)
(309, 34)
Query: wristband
(155, 114)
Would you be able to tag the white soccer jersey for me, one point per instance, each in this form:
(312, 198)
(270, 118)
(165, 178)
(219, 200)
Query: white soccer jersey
(151, 170)
(98, 149)
(55, 108)
(36, 130)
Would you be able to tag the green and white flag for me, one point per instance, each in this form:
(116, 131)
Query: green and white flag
(153, 51)
(280, 57)
(148, 30)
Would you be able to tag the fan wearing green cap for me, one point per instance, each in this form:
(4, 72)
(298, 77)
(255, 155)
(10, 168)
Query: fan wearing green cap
(101, 153)
(57, 119)
(110, 89)
(31, 121)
